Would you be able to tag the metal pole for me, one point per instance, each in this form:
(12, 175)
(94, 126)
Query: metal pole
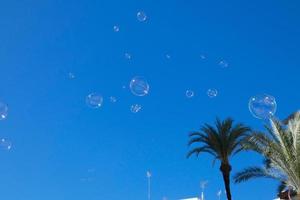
(149, 185)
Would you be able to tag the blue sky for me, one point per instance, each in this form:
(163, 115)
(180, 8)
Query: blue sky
(64, 150)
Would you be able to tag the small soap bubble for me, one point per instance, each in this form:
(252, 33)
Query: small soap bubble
(116, 28)
(141, 16)
(113, 99)
(135, 108)
(3, 111)
(71, 75)
(223, 64)
(5, 144)
(212, 92)
(128, 56)
(168, 56)
(189, 93)
(94, 100)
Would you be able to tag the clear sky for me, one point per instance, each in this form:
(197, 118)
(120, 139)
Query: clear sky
(64, 150)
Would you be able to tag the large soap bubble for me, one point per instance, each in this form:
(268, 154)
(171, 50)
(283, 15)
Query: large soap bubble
(262, 106)
(94, 100)
(139, 86)
(3, 111)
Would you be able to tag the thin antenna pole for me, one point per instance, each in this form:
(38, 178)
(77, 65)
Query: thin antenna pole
(203, 185)
(219, 194)
(149, 184)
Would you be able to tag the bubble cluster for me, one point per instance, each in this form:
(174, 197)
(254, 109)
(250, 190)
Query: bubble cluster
(212, 92)
(5, 144)
(135, 108)
(139, 86)
(141, 16)
(116, 28)
(189, 93)
(94, 100)
(3, 111)
(262, 106)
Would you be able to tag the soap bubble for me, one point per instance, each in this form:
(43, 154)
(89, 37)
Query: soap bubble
(212, 92)
(223, 64)
(5, 144)
(116, 28)
(139, 86)
(3, 111)
(94, 100)
(262, 106)
(135, 108)
(141, 16)
(168, 56)
(71, 75)
(189, 93)
(113, 99)
(128, 56)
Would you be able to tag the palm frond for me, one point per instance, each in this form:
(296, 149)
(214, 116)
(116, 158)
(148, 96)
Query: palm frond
(251, 173)
(223, 139)
(281, 148)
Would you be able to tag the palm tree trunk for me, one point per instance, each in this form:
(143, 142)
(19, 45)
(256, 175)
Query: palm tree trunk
(226, 169)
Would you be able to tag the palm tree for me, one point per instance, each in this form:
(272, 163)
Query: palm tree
(281, 147)
(222, 142)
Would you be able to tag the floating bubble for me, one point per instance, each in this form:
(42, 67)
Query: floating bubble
(139, 86)
(168, 56)
(128, 56)
(262, 106)
(94, 100)
(189, 93)
(5, 144)
(135, 108)
(223, 64)
(141, 16)
(113, 99)
(3, 111)
(116, 28)
(212, 92)
(71, 75)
